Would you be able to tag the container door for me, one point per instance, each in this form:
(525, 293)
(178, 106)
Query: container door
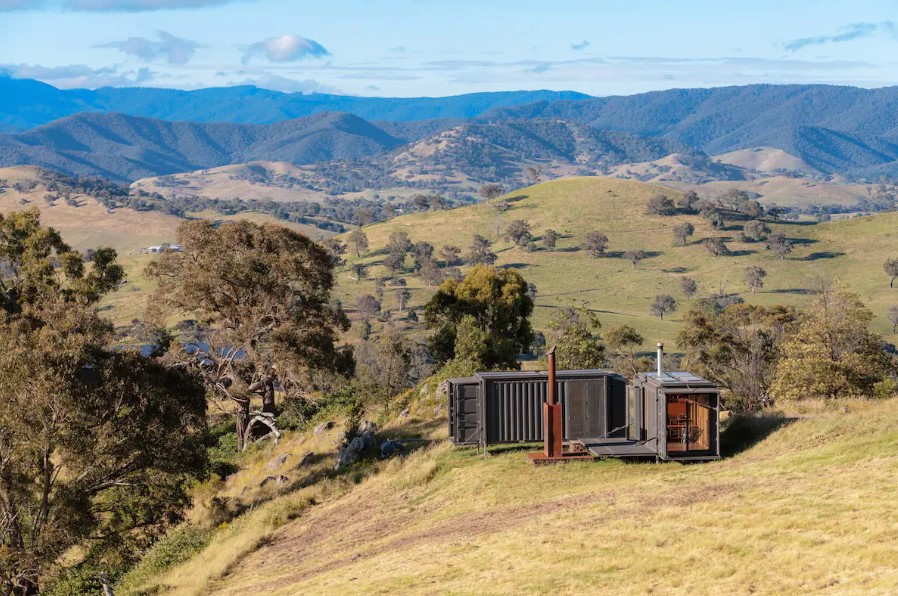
(466, 413)
(584, 412)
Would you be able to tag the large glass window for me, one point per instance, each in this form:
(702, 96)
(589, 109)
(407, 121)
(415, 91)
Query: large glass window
(690, 422)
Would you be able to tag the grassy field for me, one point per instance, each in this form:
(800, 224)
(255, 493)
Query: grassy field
(851, 251)
(445, 520)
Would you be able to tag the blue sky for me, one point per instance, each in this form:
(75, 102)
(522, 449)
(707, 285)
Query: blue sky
(431, 47)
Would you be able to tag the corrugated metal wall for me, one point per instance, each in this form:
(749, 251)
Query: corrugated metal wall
(514, 410)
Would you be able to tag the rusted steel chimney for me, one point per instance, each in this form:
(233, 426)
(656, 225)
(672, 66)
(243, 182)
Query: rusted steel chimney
(550, 356)
(660, 359)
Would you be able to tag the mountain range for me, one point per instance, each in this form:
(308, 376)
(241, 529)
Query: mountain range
(26, 103)
(127, 134)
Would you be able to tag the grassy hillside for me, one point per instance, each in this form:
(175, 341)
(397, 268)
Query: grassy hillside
(446, 520)
(852, 251)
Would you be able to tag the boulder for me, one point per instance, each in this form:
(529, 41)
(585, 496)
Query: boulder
(276, 462)
(278, 480)
(390, 448)
(364, 439)
(324, 427)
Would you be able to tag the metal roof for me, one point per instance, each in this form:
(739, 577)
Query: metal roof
(676, 379)
(524, 375)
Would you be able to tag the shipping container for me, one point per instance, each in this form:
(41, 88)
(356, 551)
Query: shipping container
(674, 416)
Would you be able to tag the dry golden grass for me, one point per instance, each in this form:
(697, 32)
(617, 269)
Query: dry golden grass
(809, 509)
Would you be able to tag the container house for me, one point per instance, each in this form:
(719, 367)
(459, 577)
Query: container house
(661, 415)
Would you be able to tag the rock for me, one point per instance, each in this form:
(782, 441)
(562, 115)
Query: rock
(324, 427)
(424, 391)
(390, 448)
(279, 480)
(278, 461)
(350, 452)
(364, 439)
(404, 413)
(443, 390)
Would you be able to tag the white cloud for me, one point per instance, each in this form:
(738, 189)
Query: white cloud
(847, 33)
(78, 76)
(274, 82)
(174, 50)
(286, 48)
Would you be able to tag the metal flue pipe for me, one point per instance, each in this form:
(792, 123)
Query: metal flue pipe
(660, 359)
(550, 357)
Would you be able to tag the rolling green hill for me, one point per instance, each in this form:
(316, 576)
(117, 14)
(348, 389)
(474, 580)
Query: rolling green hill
(852, 251)
(446, 520)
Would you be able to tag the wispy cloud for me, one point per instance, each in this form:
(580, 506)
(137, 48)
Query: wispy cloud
(110, 5)
(286, 48)
(171, 49)
(539, 68)
(580, 46)
(275, 82)
(78, 76)
(847, 33)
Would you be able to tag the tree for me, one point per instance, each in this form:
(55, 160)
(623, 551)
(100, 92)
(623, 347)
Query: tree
(399, 243)
(550, 239)
(688, 200)
(394, 262)
(263, 295)
(402, 297)
(891, 269)
(635, 256)
(717, 246)
(575, 333)
(367, 306)
(755, 231)
(663, 304)
(490, 191)
(832, 353)
(358, 240)
(336, 249)
(534, 174)
(780, 245)
(595, 243)
(451, 255)
(518, 231)
(661, 205)
(624, 341)
(754, 278)
(750, 207)
(430, 273)
(682, 232)
(688, 287)
(480, 253)
(893, 317)
(483, 319)
(359, 270)
(96, 445)
(384, 365)
(737, 347)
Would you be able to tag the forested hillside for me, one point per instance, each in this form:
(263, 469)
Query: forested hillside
(26, 103)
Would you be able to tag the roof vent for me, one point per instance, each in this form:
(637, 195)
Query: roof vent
(660, 359)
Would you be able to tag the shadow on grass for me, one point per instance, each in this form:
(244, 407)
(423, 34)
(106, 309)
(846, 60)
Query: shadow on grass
(743, 431)
(829, 254)
(799, 291)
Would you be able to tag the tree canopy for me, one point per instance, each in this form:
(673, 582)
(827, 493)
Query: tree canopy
(96, 445)
(832, 353)
(262, 294)
(484, 318)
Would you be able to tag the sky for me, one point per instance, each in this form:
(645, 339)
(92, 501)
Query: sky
(407, 48)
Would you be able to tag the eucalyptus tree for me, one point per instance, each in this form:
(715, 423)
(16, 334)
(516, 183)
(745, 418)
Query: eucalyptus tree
(263, 296)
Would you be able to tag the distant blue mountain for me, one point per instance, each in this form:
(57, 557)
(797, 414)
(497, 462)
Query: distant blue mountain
(26, 103)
